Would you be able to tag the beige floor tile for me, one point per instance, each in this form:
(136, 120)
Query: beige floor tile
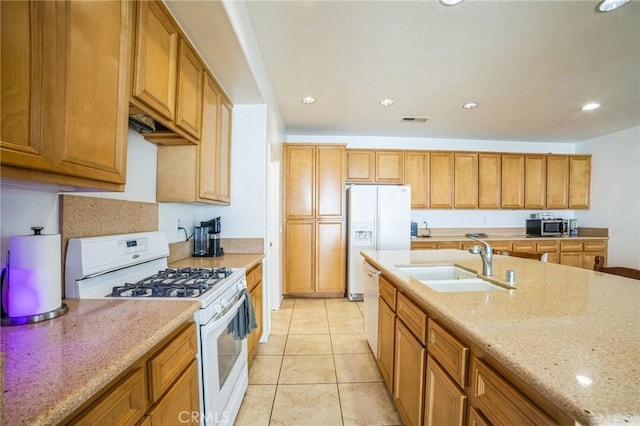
(275, 345)
(352, 313)
(287, 303)
(307, 369)
(300, 303)
(280, 326)
(309, 314)
(256, 406)
(283, 314)
(308, 344)
(360, 306)
(346, 325)
(367, 404)
(350, 343)
(309, 327)
(356, 368)
(265, 370)
(307, 405)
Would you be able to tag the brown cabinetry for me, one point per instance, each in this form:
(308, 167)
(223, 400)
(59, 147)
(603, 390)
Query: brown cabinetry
(53, 129)
(416, 174)
(466, 180)
(389, 166)
(442, 175)
(255, 287)
(409, 371)
(386, 340)
(162, 384)
(189, 90)
(535, 182)
(579, 181)
(557, 181)
(445, 403)
(374, 166)
(489, 181)
(512, 181)
(360, 166)
(314, 249)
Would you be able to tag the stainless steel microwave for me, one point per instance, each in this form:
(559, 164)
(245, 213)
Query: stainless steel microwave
(547, 227)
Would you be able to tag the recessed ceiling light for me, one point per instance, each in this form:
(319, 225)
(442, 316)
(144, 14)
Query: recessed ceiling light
(308, 100)
(470, 105)
(450, 2)
(590, 106)
(609, 5)
(387, 102)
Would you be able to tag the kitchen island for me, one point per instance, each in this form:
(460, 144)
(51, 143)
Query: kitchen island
(568, 335)
(53, 368)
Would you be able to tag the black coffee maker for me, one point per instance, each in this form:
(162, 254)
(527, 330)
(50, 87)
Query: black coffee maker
(207, 239)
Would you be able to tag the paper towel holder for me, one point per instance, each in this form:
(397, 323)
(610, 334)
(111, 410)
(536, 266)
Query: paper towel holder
(27, 319)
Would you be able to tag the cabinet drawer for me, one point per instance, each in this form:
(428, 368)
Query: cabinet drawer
(547, 247)
(413, 318)
(571, 246)
(168, 363)
(594, 246)
(388, 292)
(452, 354)
(525, 247)
(499, 401)
(254, 277)
(124, 404)
(501, 245)
(423, 245)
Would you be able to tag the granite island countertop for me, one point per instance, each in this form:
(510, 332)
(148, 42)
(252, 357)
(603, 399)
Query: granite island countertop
(572, 334)
(52, 367)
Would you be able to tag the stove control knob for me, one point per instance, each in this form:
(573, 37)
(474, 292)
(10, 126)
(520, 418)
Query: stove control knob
(224, 301)
(217, 308)
(242, 284)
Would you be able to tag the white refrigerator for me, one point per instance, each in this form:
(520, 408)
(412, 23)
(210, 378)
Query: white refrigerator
(378, 218)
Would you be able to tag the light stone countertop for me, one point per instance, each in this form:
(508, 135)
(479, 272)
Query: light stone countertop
(54, 366)
(571, 333)
(498, 237)
(230, 260)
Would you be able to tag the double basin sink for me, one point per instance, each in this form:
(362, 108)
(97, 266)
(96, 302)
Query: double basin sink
(448, 278)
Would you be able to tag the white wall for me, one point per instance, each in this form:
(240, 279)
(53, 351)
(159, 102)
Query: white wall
(615, 193)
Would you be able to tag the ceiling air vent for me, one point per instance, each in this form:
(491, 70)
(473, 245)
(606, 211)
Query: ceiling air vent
(416, 119)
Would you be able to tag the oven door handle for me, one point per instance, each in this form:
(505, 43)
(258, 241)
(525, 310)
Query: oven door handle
(223, 318)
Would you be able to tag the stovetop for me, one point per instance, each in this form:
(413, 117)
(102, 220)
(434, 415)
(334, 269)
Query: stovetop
(174, 282)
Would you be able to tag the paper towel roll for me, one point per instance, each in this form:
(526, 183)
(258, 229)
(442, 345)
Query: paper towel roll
(34, 275)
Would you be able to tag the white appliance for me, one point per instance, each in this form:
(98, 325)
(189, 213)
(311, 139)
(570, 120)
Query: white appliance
(378, 218)
(135, 265)
(371, 291)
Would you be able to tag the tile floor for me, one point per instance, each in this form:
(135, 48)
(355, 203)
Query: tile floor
(316, 369)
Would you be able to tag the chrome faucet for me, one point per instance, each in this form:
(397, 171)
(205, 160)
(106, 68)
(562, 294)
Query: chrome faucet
(486, 253)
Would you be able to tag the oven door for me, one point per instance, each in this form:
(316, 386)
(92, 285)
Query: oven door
(224, 367)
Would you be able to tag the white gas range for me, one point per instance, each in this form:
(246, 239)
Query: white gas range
(135, 265)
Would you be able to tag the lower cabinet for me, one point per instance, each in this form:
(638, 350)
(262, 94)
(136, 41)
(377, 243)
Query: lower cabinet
(445, 403)
(408, 371)
(161, 388)
(254, 284)
(386, 340)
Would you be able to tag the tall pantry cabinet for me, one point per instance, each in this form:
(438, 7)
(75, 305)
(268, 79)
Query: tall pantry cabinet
(314, 242)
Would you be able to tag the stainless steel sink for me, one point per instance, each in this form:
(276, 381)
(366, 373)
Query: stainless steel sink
(448, 278)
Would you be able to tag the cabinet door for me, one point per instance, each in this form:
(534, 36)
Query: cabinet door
(579, 181)
(209, 147)
(156, 59)
(557, 181)
(512, 181)
(441, 180)
(254, 338)
(571, 259)
(180, 401)
(360, 166)
(489, 181)
(386, 338)
(21, 59)
(416, 174)
(408, 371)
(330, 257)
(466, 181)
(330, 181)
(299, 257)
(223, 186)
(300, 181)
(189, 86)
(445, 403)
(524, 247)
(535, 172)
(389, 166)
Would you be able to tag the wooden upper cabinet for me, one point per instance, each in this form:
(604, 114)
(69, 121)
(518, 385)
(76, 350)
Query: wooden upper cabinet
(416, 174)
(156, 59)
(389, 167)
(557, 181)
(579, 181)
(489, 181)
(79, 134)
(535, 171)
(330, 182)
(512, 181)
(360, 165)
(189, 94)
(441, 189)
(223, 186)
(466, 180)
(300, 181)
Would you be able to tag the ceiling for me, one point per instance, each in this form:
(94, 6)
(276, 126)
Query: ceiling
(530, 65)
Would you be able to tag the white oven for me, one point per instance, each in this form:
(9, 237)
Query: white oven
(135, 265)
